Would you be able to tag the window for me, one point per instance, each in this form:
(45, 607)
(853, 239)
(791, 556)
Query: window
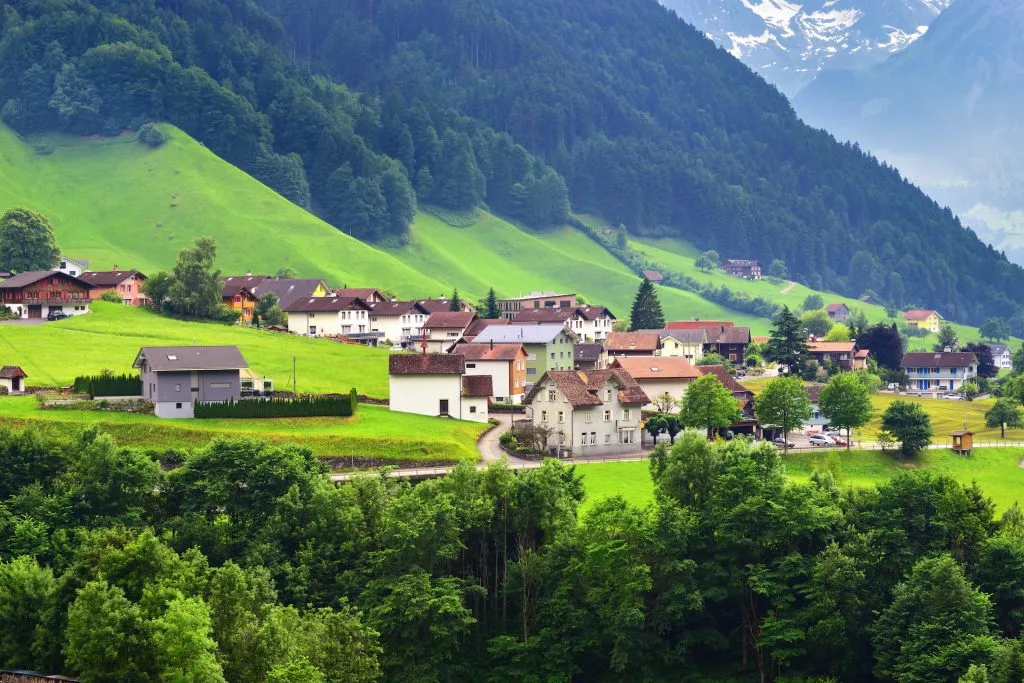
(589, 418)
(531, 371)
(552, 355)
(543, 416)
(551, 395)
(607, 438)
(472, 409)
(531, 356)
(607, 416)
(583, 439)
(607, 395)
(470, 366)
(561, 417)
(177, 406)
(625, 414)
(177, 387)
(220, 385)
(593, 438)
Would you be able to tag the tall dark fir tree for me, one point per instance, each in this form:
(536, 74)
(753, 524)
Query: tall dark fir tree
(491, 311)
(787, 344)
(646, 313)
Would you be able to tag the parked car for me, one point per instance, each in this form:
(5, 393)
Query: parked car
(779, 441)
(953, 397)
(892, 386)
(821, 440)
(56, 315)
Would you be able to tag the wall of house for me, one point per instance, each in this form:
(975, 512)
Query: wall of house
(656, 387)
(608, 434)
(328, 323)
(422, 394)
(676, 349)
(130, 292)
(395, 327)
(8, 384)
(474, 409)
(173, 393)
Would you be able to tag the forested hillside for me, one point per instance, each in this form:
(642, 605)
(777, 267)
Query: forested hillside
(455, 103)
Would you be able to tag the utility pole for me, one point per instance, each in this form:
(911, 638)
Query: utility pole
(293, 375)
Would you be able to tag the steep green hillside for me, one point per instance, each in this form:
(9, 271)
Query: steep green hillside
(116, 201)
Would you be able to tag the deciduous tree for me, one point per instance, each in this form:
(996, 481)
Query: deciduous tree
(27, 241)
(708, 405)
(1005, 413)
(909, 424)
(813, 302)
(816, 323)
(707, 261)
(195, 286)
(783, 404)
(846, 402)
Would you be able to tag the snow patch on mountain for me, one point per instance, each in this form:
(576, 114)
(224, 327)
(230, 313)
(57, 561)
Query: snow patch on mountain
(898, 39)
(776, 13)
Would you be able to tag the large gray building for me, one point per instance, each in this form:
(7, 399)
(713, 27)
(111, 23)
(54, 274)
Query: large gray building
(175, 377)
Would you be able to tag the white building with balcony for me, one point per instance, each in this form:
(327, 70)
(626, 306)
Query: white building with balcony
(939, 372)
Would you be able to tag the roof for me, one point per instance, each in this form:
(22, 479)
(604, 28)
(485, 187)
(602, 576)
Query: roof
(11, 372)
(477, 386)
(921, 359)
(834, 308)
(426, 364)
(230, 290)
(732, 335)
(286, 289)
(685, 336)
(539, 295)
(918, 314)
(760, 340)
(741, 262)
(79, 261)
(588, 353)
(479, 325)
(999, 349)
(365, 293)
(727, 380)
(109, 278)
(633, 341)
(436, 305)
(31, 277)
(653, 275)
(657, 367)
(182, 358)
(831, 347)
(496, 352)
(581, 388)
(697, 324)
(544, 315)
(595, 312)
(389, 308)
(449, 320)
(523, 334)
(814, 391)
(862, 353)
(326, 303)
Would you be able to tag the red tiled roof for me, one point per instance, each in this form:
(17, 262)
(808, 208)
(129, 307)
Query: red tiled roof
(484, 352)
(582, 388)
(365, 293)
(11, 372)
(924, 359)
(862, 353)
(697, 324)
(544, 315)
(395, 308)
(595, 312)
(831, 347)
(633, 341)
(918, 314)
(657, 367)
(426, 364)
(451, 320)
(109, 278)
(477, 385)
(834, 308)
(653, 275)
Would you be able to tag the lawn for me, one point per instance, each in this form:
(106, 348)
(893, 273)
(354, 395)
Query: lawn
(374, 432)
(54, 353)
(997, 471)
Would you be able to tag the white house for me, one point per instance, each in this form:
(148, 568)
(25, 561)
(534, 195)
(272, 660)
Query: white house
(589, 323)
(659, 375)
(1002, 356)
(688, 344)
(40, 293)
(401, 322)
(939, 372)
(588, 413)
(445, 328)
(436, 384)
(12, 379)
(325, 316)
(505, 364)
(72, 267)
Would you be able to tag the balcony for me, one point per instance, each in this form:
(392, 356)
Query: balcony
(947, 374)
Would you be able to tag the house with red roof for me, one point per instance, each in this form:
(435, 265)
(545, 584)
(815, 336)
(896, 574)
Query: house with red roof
(12, 379)
(924, 319)
(444, 329)
(840, 313)
(659, 375)
(505, 364)
(127, 284)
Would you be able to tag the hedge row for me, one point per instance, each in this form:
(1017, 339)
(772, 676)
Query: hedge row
(108, 385)
(335, 405)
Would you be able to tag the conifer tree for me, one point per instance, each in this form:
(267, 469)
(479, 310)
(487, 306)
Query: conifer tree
(646, 314)
(787, 344)
(491, 306)
(455, 303)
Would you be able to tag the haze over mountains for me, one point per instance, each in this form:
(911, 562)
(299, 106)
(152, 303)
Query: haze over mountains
(790, 42)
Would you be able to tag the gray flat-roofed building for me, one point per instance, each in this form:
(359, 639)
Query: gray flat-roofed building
(175, 377)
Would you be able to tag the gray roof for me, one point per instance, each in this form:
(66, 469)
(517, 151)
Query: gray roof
(286, 289)
(685, 336)
(998, 349)
(521, 334)
(184, 358)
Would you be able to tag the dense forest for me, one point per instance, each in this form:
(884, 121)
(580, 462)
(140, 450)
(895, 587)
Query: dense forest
(240, 561)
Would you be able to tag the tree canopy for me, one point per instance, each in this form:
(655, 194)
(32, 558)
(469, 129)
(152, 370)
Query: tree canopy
(26, 241)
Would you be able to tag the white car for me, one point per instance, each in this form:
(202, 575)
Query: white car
(892, 386)
(821, 440)
(953, 397)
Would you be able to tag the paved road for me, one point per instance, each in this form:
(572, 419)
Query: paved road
(490, 448)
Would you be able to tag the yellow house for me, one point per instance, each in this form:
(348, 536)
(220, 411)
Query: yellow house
(927, 320)
(688, 344)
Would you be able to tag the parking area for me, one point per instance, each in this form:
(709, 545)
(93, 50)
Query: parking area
(24, 321)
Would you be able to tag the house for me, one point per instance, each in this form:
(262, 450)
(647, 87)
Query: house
(659, 375)
(688, 344)
(174, 378)
(926, 320)
(126, 283)
(511, 307)
(37, 293)
(840, 313)
(443, 305)
(654, 276)
(632, 343)
(840, 353)
(745, 397)
(478, 326)
(817, 421)
(860, 359)
(744, 268)
(436, 384)
(505, 364)
(443, 330)
(548, 347)
(287, 290)
(73, 267)
(1002, 356)
(589, 356)
(238, 297)
(595, 412)
(332, 316)
(942, 371)
(729, 342)
(367, 294)
(590, 323)
(401, 322)
(12, 379)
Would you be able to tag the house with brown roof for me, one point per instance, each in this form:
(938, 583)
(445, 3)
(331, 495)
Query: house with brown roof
(939, 372)
(38, 293)
(589, 323)
(745, 268)
(443, 305)
(511, 307)
(436, 384)
(401, 322)
(238, 297)
(698, 324)
(370, 295)
(840, 313)
(443, 330)
(595, 412)
(839, 353)
(126, 283)
(659, 375)
(688, 344)
(505, 364)
(924, 319)
(287, 290)
(12, 379)
(590, 356)
(332, 316)
(860, 359)
(632, 344)
(730, 342)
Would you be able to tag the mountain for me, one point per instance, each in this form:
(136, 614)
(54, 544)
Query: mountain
(790, 43)
(946, 112)
(360, 110)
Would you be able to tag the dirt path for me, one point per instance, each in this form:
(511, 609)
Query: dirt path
(788, 288)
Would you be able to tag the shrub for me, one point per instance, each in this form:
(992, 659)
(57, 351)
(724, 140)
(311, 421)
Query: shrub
(111, 296)
(343, 405)
(150, 135)
(43, 149)
(108, 384)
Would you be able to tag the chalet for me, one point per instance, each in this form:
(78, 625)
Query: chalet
(12, 379)
(505, 364)
(511, 307)
(589, 356)
(332, 316)
(926, 320)
(126, 283)
(548, 347)
(443, 330)
(1002, 356)
(238, 297)
(443, 305)
(840, 313)
(175, 378)
(287, 290)
(860, 359)
(632, 344)
(36, 294)
(744, 268)
(938, 372)
(729, 342)
(72, 267)
(659, 375)
(401, 322)
(367, 294)
(840, 354)
(436, 384)
(593, 412)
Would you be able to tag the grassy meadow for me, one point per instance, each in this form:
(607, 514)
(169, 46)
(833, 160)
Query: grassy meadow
(53, 354)
(373, 432)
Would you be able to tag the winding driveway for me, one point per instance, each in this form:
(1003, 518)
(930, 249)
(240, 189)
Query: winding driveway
(489, 446)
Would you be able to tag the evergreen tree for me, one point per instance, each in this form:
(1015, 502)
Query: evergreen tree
(458, 182)
(491, 306)
(455, 303)
(787, 343)
(947, 339)
(646, 313)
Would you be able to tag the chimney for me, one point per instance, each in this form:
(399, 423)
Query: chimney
(115, 267)
(492, 345)
(248, 273)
